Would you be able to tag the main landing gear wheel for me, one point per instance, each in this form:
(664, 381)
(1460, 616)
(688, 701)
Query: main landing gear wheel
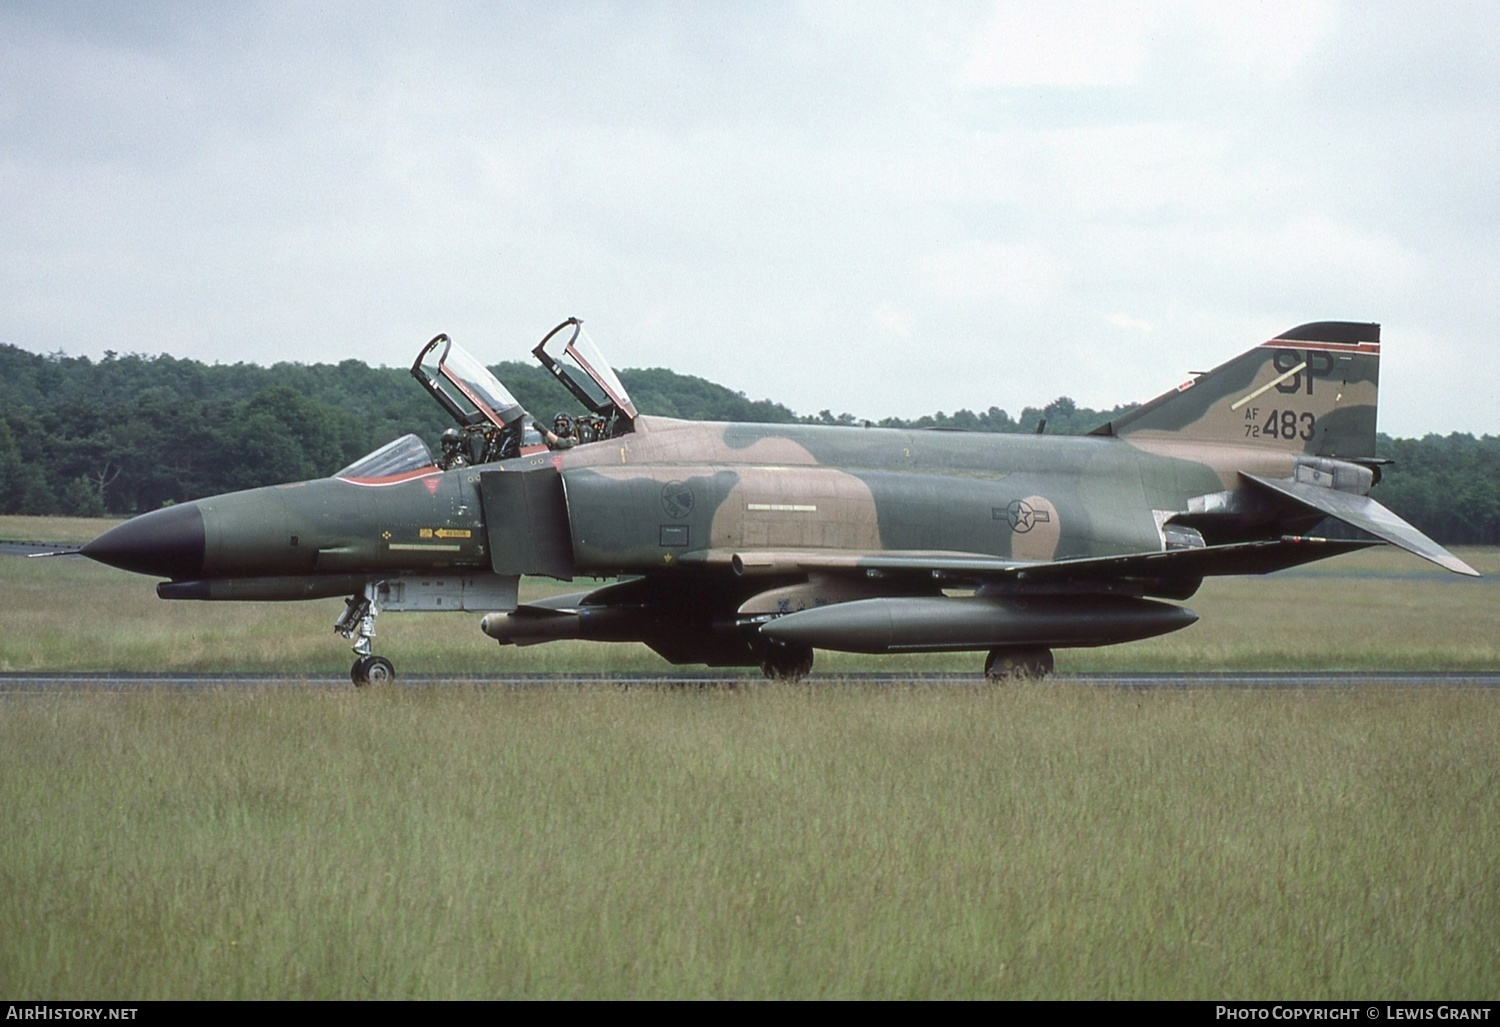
(1018, 664)
(786, 662)
(372, 670)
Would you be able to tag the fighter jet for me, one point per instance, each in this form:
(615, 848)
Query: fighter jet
(756, 544)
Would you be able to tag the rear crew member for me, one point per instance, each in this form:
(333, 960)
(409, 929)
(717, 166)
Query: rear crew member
(561, 436)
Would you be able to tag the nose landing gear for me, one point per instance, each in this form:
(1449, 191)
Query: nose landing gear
(359, 620)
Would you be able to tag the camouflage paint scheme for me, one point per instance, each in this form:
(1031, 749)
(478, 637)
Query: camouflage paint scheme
(749, 543)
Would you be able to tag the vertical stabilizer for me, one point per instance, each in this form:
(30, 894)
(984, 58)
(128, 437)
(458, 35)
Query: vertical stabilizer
(1310, 390)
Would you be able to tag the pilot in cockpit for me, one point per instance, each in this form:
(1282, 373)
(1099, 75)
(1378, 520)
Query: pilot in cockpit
(562, 435)
(588, 428)
(452, 442)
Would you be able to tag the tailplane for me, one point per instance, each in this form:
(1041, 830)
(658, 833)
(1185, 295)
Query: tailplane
(1364, 513)
(1311, 390)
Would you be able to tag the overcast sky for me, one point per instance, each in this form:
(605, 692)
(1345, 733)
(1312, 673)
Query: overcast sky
(874, 208)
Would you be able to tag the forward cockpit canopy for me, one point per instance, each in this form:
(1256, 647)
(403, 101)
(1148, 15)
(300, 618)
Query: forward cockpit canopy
(464, 386)
(493, 423)
(396, 459)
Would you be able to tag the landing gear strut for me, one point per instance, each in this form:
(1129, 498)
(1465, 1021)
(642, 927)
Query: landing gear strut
(1018, 663)
(786, 662)
(359, 620)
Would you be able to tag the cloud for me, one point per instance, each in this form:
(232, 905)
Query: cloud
(1064, 43)
(982, 273)
(1134, 324)
(804, 201)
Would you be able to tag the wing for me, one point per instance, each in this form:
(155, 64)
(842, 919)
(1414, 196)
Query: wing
(977, 569)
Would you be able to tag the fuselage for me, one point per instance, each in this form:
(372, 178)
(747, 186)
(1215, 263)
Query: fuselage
(642, 501)
(687, 486)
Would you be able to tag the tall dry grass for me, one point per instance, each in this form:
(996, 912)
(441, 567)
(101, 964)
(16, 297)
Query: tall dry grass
(766, 841)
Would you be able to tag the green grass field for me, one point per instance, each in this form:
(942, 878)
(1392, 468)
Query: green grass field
(1049, 840)
(1032, 842)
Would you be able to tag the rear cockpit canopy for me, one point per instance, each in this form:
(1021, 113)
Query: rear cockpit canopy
(574, 360)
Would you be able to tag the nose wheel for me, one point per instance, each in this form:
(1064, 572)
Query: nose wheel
(372, 670)
(358, 623)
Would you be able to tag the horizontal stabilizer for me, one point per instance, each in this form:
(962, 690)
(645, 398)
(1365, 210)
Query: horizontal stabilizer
(1364, 513)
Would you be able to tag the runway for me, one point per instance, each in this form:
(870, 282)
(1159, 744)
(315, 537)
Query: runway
(14, 683)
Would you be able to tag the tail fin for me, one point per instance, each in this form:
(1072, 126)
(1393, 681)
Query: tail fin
(1310, 390)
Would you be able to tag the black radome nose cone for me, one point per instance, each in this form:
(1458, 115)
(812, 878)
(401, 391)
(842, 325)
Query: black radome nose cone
(166, 542)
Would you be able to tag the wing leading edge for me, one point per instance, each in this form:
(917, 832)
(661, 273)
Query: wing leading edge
(1259, 557)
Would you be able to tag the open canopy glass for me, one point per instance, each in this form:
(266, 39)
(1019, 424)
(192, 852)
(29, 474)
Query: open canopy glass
(571, 355)
(464, 386)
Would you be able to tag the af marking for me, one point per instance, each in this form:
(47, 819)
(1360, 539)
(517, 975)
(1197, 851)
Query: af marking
(1280, 424)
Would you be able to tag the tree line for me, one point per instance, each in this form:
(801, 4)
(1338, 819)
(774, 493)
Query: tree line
(130, 433)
